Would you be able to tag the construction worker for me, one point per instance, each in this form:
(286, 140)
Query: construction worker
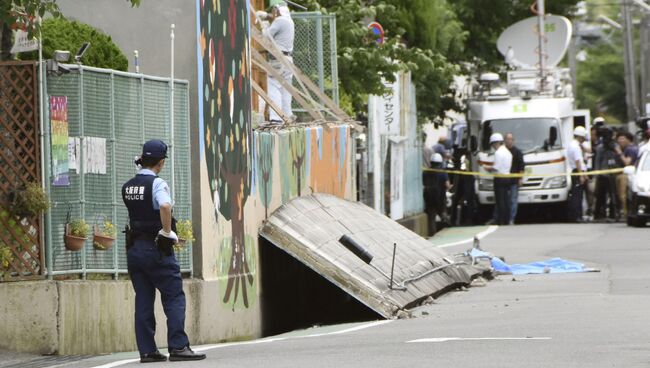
(281, 31)
(502, 165)
(575, 158)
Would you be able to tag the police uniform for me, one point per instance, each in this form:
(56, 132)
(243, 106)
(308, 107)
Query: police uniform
(151, 269)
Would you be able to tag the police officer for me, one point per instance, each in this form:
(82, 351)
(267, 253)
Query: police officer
(151, 261)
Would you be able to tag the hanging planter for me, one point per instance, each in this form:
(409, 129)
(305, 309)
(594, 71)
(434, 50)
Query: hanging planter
(104, 235)
(76, 234)
(185, 234)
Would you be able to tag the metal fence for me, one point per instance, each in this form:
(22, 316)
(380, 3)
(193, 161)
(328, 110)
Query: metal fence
(120, 111)
(314, 51)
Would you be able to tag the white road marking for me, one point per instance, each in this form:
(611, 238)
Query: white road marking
(481, 235)
(445, 339)
(258, 341)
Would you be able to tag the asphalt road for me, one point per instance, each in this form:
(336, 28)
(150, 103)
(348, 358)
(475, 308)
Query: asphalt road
(551, 320)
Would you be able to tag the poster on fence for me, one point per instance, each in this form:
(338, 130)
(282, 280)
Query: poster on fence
(94, 150)
(59, 124)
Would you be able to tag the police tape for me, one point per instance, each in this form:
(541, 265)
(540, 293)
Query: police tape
(523, 175)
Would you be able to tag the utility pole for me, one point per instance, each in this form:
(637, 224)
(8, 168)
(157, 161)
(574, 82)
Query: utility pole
(631, 95)
(541, 15)
(573, 65)
(644, 61)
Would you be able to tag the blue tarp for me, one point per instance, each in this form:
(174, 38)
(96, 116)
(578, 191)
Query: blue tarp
(553, 265)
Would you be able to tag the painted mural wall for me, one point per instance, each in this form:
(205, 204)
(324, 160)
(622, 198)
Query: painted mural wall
(245, 175)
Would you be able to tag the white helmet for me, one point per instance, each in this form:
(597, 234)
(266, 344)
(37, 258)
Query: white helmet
(436, 157)
(580, 131)
(496, 137)
(598, 120)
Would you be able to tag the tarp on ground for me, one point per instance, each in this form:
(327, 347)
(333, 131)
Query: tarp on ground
(553, 265)
(309, 228)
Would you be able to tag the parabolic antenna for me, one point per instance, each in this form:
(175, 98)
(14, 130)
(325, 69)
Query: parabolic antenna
(519, 42)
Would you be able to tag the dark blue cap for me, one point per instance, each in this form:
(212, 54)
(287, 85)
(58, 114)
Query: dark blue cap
(154, 148)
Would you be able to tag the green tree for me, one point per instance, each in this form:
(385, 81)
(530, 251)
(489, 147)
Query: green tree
(22, 14)
(63, 34)
(418, 36)
(601, 83)
(484, 20)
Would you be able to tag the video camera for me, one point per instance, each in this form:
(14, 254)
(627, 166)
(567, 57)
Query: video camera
(642, 123)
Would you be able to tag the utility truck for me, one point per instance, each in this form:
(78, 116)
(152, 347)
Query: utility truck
(536, 105)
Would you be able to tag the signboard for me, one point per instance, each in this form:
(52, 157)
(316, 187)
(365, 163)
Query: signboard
(389, 109)
(59, 125)
(22, 43)
(378, 31)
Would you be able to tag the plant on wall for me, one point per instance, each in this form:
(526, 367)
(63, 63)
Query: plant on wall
(31, 201)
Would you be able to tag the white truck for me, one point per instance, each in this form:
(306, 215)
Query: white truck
(541, 119)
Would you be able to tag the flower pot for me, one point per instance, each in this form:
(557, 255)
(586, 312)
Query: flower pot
(73, 243)
(100, 241)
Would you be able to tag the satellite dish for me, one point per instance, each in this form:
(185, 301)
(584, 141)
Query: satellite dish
(519, 42)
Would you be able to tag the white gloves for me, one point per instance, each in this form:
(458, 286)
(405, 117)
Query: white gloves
(169, 235)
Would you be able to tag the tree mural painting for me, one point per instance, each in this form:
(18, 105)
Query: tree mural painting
(329, 168)
(226, 113)
(264, 144)
(293, 157)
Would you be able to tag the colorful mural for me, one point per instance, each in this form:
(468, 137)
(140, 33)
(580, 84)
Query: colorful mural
(226, 125)
(264, 149)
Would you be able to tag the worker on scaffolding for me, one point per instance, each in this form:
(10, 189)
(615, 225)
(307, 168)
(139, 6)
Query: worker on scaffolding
(281, 31)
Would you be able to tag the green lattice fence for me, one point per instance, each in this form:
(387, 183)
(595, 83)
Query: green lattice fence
(123, 110)
(314, 51)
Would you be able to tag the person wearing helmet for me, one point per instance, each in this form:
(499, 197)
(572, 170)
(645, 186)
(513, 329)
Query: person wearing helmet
(436, 185)
(607, 157)
(576, 162)
(281, 31)
(502, 165)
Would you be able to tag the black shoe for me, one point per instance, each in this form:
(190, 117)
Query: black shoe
(154, 357)
(176, 355)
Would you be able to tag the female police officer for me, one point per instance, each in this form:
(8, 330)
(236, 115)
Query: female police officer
(151, 261)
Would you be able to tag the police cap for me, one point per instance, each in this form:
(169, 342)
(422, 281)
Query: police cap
(154, 148)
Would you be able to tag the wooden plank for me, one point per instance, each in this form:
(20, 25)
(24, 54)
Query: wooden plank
(270, 102)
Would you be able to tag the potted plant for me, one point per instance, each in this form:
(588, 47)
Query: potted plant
(31, 201)
(76, 234)
(185, 234)
(104, 235)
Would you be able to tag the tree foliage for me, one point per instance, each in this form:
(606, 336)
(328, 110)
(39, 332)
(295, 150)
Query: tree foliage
(484, 20)
(418, 35)
(23, 14)
(601, 83)
(63, 34)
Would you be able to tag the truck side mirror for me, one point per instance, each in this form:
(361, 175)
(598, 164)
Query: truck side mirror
(473, 143)
(552, 136)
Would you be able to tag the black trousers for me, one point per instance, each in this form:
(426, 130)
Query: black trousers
(502, 199)
(606, 188)
(575, 199)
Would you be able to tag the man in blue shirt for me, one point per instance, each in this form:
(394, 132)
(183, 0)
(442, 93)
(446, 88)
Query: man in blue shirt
(150, 258)
(628, 152)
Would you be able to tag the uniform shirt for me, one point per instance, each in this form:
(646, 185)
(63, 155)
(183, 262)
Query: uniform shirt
(574, 153)
(502, 160)
(282, 30)
(159, 190)
(632, 152)
(426, 156)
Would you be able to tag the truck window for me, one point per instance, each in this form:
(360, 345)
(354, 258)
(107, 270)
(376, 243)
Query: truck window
(531, 134)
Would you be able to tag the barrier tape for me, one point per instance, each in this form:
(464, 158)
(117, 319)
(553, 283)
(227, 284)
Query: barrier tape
(523, 175)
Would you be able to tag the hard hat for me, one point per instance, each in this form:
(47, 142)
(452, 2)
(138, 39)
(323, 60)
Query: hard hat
(436, 157)
(580, 131)
(599, 121)
(496, 137)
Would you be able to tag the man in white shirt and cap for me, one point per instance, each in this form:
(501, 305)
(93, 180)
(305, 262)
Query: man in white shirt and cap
(575, 158)
(281, 31)
(502, 165)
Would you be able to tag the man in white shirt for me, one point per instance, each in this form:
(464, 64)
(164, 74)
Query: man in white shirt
(281, 31)
(502, 165)
(576, 162)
